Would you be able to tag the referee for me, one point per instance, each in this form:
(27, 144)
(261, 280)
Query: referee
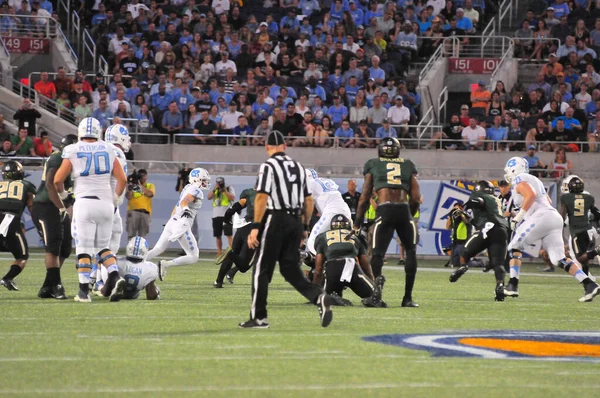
(509, 210)
(283, 203)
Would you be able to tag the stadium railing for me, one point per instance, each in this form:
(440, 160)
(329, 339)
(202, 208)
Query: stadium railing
(5, 66)
(442, 101)
(132, 124)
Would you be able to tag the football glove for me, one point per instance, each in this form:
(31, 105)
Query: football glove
(63, 214)
(69, 200)
(186, 214)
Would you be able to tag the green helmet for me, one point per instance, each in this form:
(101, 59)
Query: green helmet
(484, 186)
(389, 148)
(13, 170)
(576, 185)
(340, 221)
(68, 140)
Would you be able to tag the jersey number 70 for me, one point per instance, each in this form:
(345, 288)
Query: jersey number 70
(99, 159)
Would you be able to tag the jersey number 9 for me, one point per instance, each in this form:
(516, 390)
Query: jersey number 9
(100, 160)
(579, 210)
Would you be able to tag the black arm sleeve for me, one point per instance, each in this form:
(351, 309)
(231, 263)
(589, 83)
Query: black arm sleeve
(474, 203)
(596, 213)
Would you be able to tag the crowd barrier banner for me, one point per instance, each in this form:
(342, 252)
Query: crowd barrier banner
(438, 198)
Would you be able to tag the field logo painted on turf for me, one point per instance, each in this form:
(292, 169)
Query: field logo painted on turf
(535, 345)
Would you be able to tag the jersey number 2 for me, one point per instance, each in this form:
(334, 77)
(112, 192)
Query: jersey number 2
(394, 174)
(100, 160)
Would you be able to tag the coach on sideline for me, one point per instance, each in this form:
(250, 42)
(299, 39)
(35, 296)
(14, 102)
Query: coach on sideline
(283, 203)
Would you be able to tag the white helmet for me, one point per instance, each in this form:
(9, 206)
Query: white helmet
(564, 186)
(200, 178)
(89, 128)
(137, 248)
(514, 167)
(311, 174)
(119, 135)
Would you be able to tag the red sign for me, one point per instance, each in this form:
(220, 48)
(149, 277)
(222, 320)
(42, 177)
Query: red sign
(473, 66)
(26, 45)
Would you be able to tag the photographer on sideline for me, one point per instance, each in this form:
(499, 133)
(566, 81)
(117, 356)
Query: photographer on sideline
(222, 197)
(139, 209)
(458, 222)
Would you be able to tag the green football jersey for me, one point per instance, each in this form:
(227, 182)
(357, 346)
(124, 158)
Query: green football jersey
(53, 162)
(14, 195)
(578, 206)
(249, 194)
(394, 173)
(490, 212)
(333, 245)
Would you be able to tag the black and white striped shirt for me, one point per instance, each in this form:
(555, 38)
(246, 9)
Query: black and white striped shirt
(284, 180)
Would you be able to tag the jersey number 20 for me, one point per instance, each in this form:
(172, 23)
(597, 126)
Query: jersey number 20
(11, 190)
(99, 159)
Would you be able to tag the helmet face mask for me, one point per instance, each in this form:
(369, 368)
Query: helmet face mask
(340, 221)
(67, 140)
(576, 185)
(564, 186)
(12, 171)
(89, 128)
(389, 148)
(485, 187)
(137, 248)
(200, 178)
(514, 167)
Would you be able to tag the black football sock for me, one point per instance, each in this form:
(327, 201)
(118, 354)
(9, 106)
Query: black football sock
(48, 279)
(233, 271)
(54, 275)
(13, 272)
(225, 266)
(84, 287)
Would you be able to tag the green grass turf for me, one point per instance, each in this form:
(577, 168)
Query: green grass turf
(188, 344)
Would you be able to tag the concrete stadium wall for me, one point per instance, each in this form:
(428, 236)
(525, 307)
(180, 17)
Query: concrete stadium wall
(432, 85)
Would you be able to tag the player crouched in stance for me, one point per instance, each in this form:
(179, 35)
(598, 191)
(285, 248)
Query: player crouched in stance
(540, 221)
(15, 194)
(337, 251)
(136, 273)
(179, 226)
(118, 136)
(91, 163)
(576, 204)
(492, 234)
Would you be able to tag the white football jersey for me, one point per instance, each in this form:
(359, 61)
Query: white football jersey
(326, 196)
(137, 275)
(541, 201)
(92, 168)
(193, 190)
(123, 161)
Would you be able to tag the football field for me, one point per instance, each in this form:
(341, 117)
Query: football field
(188, 344)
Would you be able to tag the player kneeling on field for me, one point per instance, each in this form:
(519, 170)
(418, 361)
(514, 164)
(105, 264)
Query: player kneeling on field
(137, 274)
(337, 250)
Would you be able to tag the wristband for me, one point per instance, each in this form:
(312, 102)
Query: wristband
(256, 225)
(63, 195)
(307, 227)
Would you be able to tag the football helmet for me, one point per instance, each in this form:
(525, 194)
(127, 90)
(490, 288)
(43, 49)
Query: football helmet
(119, 135)
(311, 174)
(67, 140)
(389, 148)
(514, 167)
(485, 187)
(564, 186)
(200, 178)
(89, 128)
(340, 221)
(576, 185)
(13, 170)
(137, 248)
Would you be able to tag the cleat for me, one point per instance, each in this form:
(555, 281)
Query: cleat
(460, 271)
(229, 279)
(45, 292)
(221, 257)
(218, 285)
(118, 291)
(340, 301)
(375, 300)
(548, 269)
(255, 324)
(409, 303)
(401, 262)
(9, 284)
(162, 270)
(83, 297)
(58, 292)
(511, 290)
(324, 303)
(97, 290)
(591, 291)
(499, 292)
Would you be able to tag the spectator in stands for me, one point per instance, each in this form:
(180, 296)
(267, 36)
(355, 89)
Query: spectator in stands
(7, 149)
(205, 129)
(538, 134)
(262, 131)
(593, 78)
(480, 98)
(377, 112)
(78, 91)
(344, 135)
(231, 117)
(536, 165)
(172, 121)
(570, 123)
(471, 13)
(386, 130)
(399, 115)
(406, 41)
(561, 166)
(551, 19)
(583, 49)
(84, 83)
(62, 83)
(114, 105)
(516, 133)
(42, 145)
(568, 47)
(540, 83)
(45, 87)
(582, 97)
(82, 109)
(524, 41)
(496, 133)
(473, 135)
(495, 106)
(26, 115)
(562, 30)
(595, 36)
(22, 144)
(103, 114)
(242, 132)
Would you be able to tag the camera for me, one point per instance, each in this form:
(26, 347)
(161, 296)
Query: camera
(133, 182)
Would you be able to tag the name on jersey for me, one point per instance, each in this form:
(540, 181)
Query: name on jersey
(134, 270)
(392, 159)
(91, 148)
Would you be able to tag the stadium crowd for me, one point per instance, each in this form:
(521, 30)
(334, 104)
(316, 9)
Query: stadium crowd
(326, 72)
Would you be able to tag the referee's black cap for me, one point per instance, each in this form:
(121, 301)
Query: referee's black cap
(502, 183)
(275, 138)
